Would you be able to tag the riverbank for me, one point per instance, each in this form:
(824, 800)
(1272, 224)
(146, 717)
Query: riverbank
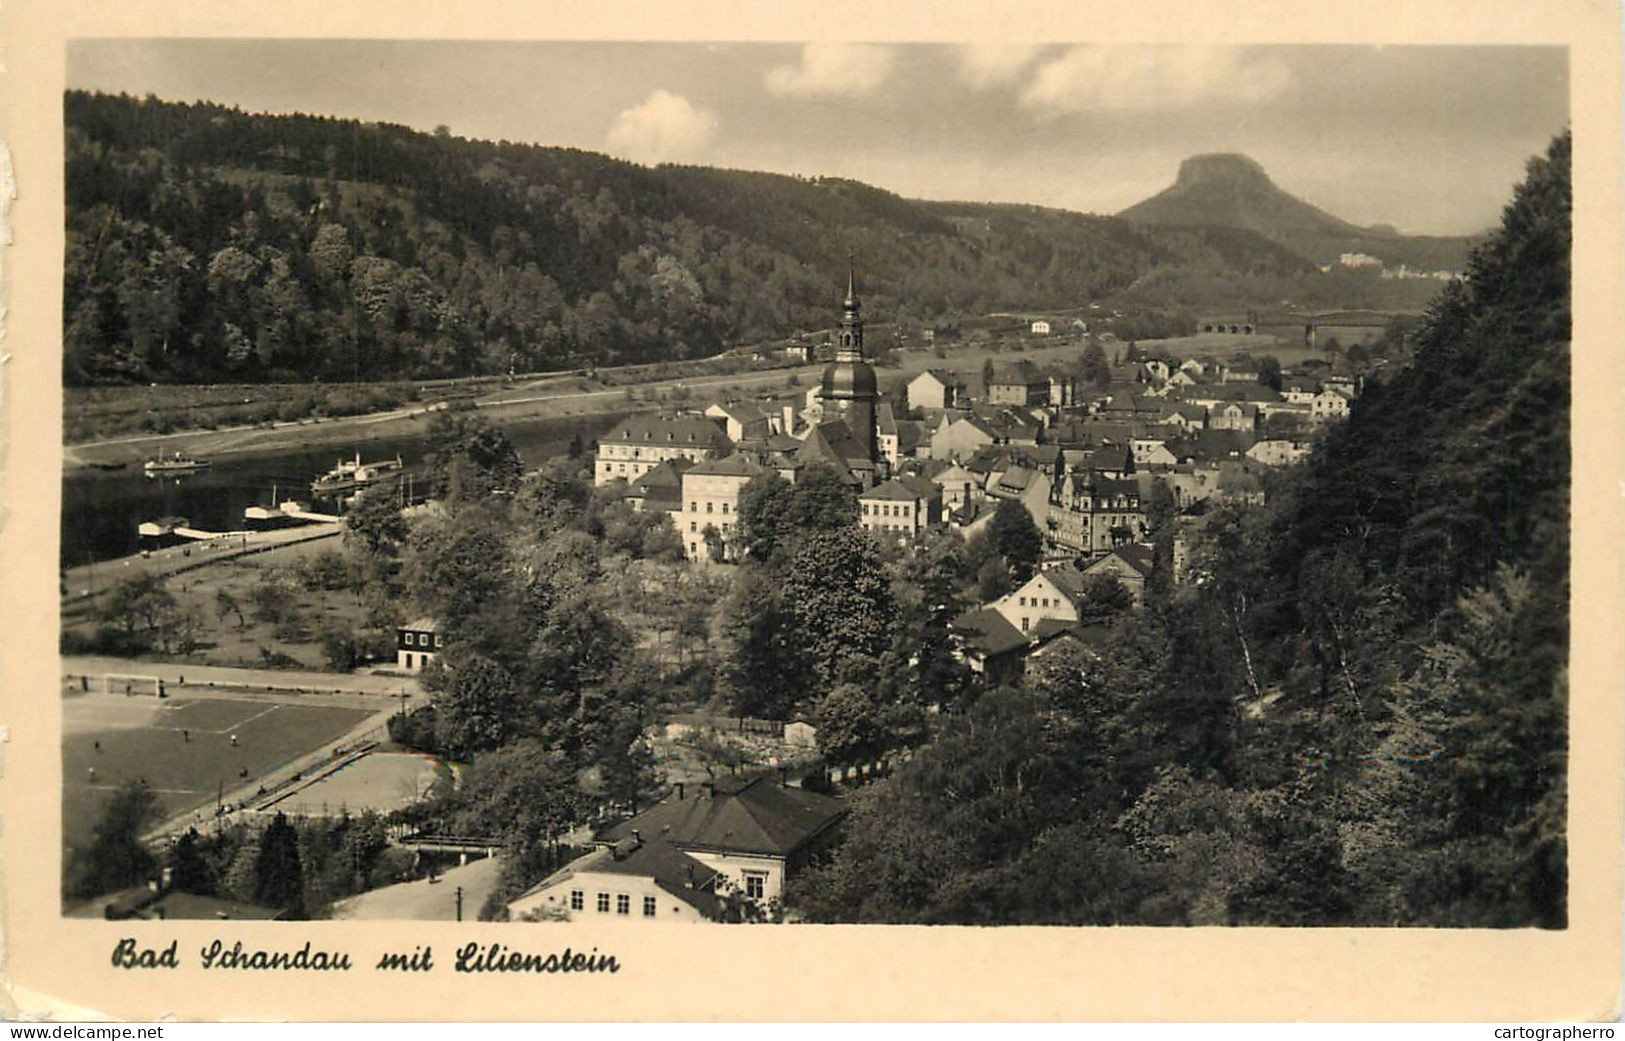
(552, 397)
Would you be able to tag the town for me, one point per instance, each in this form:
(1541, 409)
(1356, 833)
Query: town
(458, 529)
(1077, 486)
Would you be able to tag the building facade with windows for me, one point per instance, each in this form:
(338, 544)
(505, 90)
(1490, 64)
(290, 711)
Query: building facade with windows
(416, 644)
(711, 500)
(640, 443)
(629, 880)
(903, 507)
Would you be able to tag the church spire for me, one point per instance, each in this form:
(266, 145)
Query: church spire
(849, 346)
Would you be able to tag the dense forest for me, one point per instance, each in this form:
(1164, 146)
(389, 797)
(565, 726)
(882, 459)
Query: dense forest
(1354, 713)
(205, 244)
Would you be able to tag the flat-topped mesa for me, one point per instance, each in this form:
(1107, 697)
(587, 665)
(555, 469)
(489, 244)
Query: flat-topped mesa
(1222, 168)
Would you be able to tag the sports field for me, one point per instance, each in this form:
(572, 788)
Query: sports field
(381, 781)
(182, 746)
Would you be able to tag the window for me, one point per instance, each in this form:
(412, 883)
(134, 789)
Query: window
(623, 903)
(755, 884)
(438, 640)
(724, 507)
(603, 903)
(1023, 623)
(710, 507)
(648, 907)
(578, 900)
(694, 507)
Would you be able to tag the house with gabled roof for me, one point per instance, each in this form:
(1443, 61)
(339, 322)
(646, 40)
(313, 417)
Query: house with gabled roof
(1129, 564)
(1021, 383)
(960, 438)
(936, 389)
(636, 879)
(659, 489)
(902, 507)
(989, 645)
(754, 834)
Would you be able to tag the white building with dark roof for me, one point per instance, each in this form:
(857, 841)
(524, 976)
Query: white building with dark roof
(640, 443)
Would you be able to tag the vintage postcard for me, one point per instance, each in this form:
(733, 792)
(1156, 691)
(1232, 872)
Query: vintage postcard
(684, 512)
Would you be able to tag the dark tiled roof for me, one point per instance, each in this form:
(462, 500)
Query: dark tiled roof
(988, 631)
(667, 430)
(758, 816)
(737, 465)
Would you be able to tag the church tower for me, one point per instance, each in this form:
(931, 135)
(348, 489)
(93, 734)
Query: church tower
(849, 389)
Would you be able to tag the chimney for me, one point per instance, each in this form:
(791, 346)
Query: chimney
(637, 837)
(710, 790)
(690, 883)
(679, 791)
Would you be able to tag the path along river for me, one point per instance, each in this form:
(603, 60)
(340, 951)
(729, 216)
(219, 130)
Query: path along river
(101, 509)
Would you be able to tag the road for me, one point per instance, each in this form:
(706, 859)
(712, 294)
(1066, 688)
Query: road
(425, 901)
(529, 401)
(227, 679)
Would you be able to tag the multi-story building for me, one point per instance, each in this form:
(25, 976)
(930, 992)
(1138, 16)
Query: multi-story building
(1020, 384)
(417, 643)
(902, 507)
(1091, 515)
(639, 443)
(711, 501)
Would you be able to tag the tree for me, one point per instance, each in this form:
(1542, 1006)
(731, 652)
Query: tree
(116, 857)
(850, 727)
(822, 500)
(225, 603)
(188, 871)
(761, 670)
(553, 498)
(766, 515)
(1093, 367)
(993, 579)
(1017, 538)
(374, 525)
(1269, 371)
(280, 879)
(1104, 597)
(839, 599)
(474, 458)
(139, 604)
(987, 377)
(479, 707)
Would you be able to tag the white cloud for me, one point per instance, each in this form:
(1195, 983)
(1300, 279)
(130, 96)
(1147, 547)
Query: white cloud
(832, 69)
(984, 65)
(663, 128)
(1143, 78)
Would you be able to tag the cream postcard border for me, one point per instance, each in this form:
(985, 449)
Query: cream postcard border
(59, 967)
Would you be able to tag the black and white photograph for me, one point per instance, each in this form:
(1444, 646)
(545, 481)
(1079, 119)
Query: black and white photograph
(548, 487)
(832, 483)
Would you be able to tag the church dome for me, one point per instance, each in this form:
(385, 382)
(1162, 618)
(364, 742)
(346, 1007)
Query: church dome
(849, 379)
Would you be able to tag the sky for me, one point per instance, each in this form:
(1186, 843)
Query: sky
(1428, 139)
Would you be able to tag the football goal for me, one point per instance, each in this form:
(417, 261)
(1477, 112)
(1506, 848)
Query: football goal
(132, 684)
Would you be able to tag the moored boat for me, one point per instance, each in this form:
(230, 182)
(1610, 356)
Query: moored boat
(354, 475)
(179, 462)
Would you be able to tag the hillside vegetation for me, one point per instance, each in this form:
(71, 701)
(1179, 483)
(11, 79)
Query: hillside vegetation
(210, 245)
(1355, 712)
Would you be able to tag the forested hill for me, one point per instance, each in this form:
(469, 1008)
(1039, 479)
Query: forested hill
(1354, 712)
(206, 244)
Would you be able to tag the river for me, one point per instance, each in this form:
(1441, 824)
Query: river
(101, 509)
